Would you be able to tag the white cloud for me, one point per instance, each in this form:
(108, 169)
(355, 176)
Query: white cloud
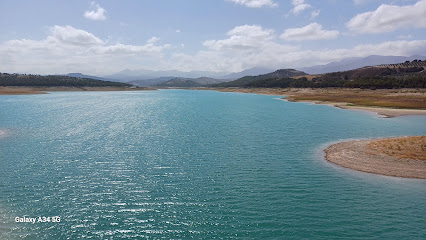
(70, 35)
(153, 40)
(315, 13)
(68, 49)
(278, 56)
(312, 31)
(242, 37)
(299, 6)
(388, 18)
(255, 3)
(130, 49)
(251, 45)
(178, 30)
(97, 14)
(244, 47)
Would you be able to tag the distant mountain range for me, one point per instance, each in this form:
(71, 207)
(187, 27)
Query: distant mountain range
(150, 82)
(248, 72)
(406, 74)
(148, 78)
(142, 74)
(80, 75)
(354, 63)
(153, 78)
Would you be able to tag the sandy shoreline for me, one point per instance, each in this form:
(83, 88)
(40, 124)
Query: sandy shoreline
(315, 96)
(394, 98)
(371, 156)
(385, 112)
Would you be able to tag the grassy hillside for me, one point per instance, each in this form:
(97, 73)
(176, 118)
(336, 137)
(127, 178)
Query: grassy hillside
(250, 81)
(54, 81)
(404, 75)
(190, 82)
(180, 82)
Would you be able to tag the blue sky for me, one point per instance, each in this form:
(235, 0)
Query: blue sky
(106, 36)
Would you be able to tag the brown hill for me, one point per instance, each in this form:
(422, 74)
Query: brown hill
(415, 67)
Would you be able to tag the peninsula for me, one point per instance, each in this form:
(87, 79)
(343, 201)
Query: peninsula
(389, 89)
(399, 157)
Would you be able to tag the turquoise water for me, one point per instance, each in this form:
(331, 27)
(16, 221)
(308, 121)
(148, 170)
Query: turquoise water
(196, 164)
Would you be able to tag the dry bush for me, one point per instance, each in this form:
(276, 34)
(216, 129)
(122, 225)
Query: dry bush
(407, 147)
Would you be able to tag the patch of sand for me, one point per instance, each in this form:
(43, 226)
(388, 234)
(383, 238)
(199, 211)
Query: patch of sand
(382, 156)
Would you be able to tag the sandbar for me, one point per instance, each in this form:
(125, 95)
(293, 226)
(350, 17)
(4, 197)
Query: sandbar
(399, 157)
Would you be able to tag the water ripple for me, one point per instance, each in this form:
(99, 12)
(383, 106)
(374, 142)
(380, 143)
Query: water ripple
(203, 165)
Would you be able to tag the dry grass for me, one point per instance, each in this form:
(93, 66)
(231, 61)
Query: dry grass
(385, 98)
(378, 98)
(18, 91)
(386, 102)
(407, 147)
(309, 77)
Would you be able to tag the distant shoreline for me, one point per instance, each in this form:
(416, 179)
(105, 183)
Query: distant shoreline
(43, 90)
(398, 157)
(393, 99)
(385, 102)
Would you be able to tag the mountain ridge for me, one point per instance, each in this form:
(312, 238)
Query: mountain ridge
(358, 62)
(278, 74)
(190, 82)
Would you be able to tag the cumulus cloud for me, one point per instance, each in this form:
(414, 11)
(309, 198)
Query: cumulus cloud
(255, 3)
(315, 13)
(388, 18)
(97, 14)
(70, 35)
(242, 37)
(252, 45)
(130, 49)
(243, 47)
(299, 6)
(312, 31)
(153, 40)
(66, 47)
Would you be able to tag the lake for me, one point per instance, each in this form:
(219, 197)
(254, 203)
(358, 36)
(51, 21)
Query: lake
(187, 164)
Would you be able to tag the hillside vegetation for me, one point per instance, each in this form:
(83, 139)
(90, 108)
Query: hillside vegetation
(24, 80)
(190, 82)
(404, 75)
(263, 80)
